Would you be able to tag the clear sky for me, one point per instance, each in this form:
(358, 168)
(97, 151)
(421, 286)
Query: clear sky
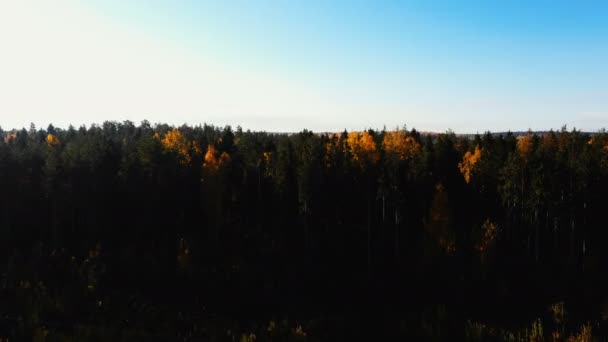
(322, 65)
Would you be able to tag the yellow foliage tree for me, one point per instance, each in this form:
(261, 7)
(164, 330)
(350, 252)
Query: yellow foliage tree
(213, 162)
(440, 217)
(267, 157)
(175, 141)
(396, 144)
(525, 146)
(52, 140)
(468, 163)
(362, 147)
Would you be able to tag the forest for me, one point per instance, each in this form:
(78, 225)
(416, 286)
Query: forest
(141, 232)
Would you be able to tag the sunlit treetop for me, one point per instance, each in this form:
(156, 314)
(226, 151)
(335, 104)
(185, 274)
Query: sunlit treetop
(52, 140)
(362, 147)
(396, 144)
(267, 158)
(214, 160)
(211, 162)
(469, 162)
(176, 142)
(525, 145)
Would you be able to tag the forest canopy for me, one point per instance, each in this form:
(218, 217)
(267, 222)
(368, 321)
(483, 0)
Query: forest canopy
(259, 224)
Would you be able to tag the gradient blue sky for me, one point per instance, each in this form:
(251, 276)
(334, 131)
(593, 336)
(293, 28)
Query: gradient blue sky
(323, 65)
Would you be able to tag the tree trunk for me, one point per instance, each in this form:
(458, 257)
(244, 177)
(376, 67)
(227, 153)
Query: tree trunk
(397, 249)
(369, 236)
(306, 232)
(54, 224)
(536, 242)
(383, 208)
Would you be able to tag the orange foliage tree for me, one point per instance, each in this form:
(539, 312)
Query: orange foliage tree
(401, 147)
(468, 163)
(214, 160)
(525, 145)
(52, 140)
(268, 161)
(362, 148)
(175, 141)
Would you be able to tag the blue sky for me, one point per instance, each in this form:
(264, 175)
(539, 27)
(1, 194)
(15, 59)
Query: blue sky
(288, 65)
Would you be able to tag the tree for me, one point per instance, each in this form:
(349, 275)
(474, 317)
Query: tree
(362, 148)
(440, 217)
(309, 173)
(469, 162)
(400, 150)
(174, 141)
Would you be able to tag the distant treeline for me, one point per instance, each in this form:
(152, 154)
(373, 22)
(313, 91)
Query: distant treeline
(155, 229)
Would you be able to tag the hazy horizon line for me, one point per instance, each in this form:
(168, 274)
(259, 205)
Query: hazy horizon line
(287, 131)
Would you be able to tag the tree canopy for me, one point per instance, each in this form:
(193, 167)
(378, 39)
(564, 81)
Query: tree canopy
(117, 226)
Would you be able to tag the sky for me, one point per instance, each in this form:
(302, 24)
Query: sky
(468, 66)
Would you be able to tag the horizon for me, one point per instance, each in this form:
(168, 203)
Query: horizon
(245, 129)
(325, 67)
